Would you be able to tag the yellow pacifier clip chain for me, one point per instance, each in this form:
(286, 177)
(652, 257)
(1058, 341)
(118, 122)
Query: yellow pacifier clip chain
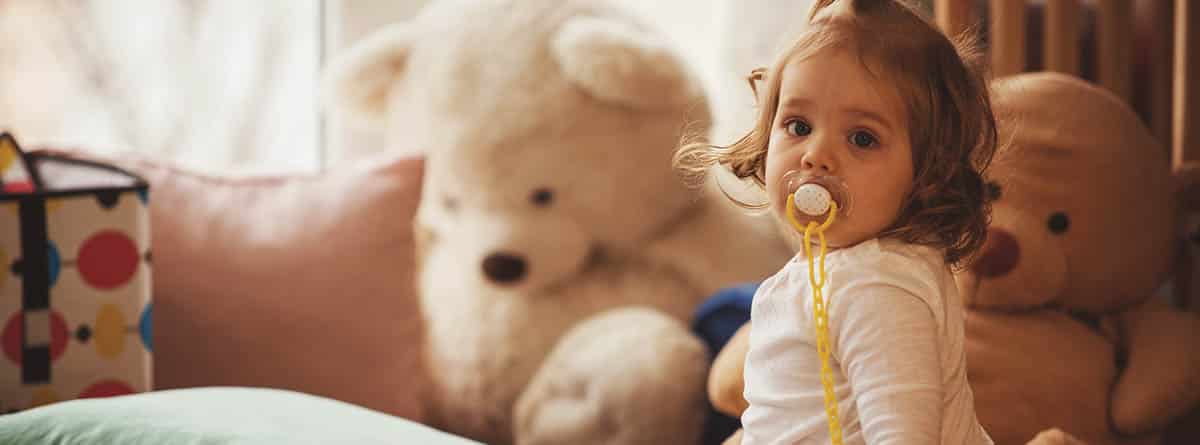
(820, 311)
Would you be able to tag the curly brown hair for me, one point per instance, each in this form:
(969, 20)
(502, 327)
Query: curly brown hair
(944, 88)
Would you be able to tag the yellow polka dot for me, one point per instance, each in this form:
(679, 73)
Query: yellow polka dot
(8, 153)
(43, 396)
(51, 206)
(110, 331)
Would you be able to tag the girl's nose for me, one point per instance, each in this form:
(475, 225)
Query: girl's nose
(819, 158)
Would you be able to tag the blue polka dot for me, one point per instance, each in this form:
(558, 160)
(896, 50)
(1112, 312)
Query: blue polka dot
(144, 327)
(54, 260)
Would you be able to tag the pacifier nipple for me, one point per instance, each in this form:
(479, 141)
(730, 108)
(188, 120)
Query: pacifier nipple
(812, 199)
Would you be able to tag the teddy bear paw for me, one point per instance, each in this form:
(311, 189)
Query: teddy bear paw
(627, 376)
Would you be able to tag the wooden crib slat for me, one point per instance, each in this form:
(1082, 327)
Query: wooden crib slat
(1186, 122)
(952, 15)
(1185, 140)
(1060, 48)
(1007, 36)
(1113, 45)
(1157, 27)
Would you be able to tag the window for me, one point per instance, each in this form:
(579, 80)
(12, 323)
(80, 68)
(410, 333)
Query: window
(216, 85)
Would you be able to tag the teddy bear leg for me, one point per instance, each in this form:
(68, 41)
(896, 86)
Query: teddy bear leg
(626, 376)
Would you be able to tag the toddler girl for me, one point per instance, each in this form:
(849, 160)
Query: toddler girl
(873, 129)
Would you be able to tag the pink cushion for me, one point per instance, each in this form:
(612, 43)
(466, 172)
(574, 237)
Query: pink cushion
(300, 282)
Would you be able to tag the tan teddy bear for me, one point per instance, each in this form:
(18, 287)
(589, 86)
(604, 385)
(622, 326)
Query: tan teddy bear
(1063, 329)
(1064, 339)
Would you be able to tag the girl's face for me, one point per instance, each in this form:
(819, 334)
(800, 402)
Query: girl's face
(834, 119)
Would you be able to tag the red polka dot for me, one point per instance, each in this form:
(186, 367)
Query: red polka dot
(108, 259)
(12, 337)
(106, 388)
(18, 187)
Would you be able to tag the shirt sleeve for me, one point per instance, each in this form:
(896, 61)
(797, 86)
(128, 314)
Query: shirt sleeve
(887, 343)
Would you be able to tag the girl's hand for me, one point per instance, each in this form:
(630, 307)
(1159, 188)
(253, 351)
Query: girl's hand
(1055, 436)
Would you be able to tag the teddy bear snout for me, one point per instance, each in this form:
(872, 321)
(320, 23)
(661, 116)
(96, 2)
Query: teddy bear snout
(1000, 254)
(504, 268)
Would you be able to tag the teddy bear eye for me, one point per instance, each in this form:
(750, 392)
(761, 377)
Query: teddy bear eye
(993, 191)
(1059, 223)
(542, 197)
(450, 203)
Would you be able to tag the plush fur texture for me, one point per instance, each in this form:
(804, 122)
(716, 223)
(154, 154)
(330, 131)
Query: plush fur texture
(1045, 339)
(1047, 336)
(549, 128)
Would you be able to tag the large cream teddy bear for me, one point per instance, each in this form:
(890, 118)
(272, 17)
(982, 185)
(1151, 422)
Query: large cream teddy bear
(1065, 342)
(560, 255)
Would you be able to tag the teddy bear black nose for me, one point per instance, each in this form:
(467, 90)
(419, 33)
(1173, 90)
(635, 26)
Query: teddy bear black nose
(504, 268)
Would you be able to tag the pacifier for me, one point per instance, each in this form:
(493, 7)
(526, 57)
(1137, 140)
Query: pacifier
(813, 203)
(812, 196)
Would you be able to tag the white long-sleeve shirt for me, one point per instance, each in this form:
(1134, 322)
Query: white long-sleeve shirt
(897, 354)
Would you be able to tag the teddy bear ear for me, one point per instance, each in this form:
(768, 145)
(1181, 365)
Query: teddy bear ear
(617, 62)
(358, 81)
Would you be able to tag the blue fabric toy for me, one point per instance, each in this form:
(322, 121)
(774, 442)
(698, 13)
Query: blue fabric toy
(715, 322)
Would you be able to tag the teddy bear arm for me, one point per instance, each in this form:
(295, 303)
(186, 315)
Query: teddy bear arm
(629, 376)
(1161, 380)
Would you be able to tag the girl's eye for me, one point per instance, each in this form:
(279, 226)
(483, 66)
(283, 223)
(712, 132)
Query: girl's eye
(863, 139)
(799, 128)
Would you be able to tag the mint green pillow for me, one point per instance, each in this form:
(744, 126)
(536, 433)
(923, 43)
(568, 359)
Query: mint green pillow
(215, 415)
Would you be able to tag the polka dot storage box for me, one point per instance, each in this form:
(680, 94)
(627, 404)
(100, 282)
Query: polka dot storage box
(74, 280)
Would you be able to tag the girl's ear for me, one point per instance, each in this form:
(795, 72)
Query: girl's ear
(616, 62)
(358, 82)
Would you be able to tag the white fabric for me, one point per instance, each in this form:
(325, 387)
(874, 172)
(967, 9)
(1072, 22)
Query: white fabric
(897, 357)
